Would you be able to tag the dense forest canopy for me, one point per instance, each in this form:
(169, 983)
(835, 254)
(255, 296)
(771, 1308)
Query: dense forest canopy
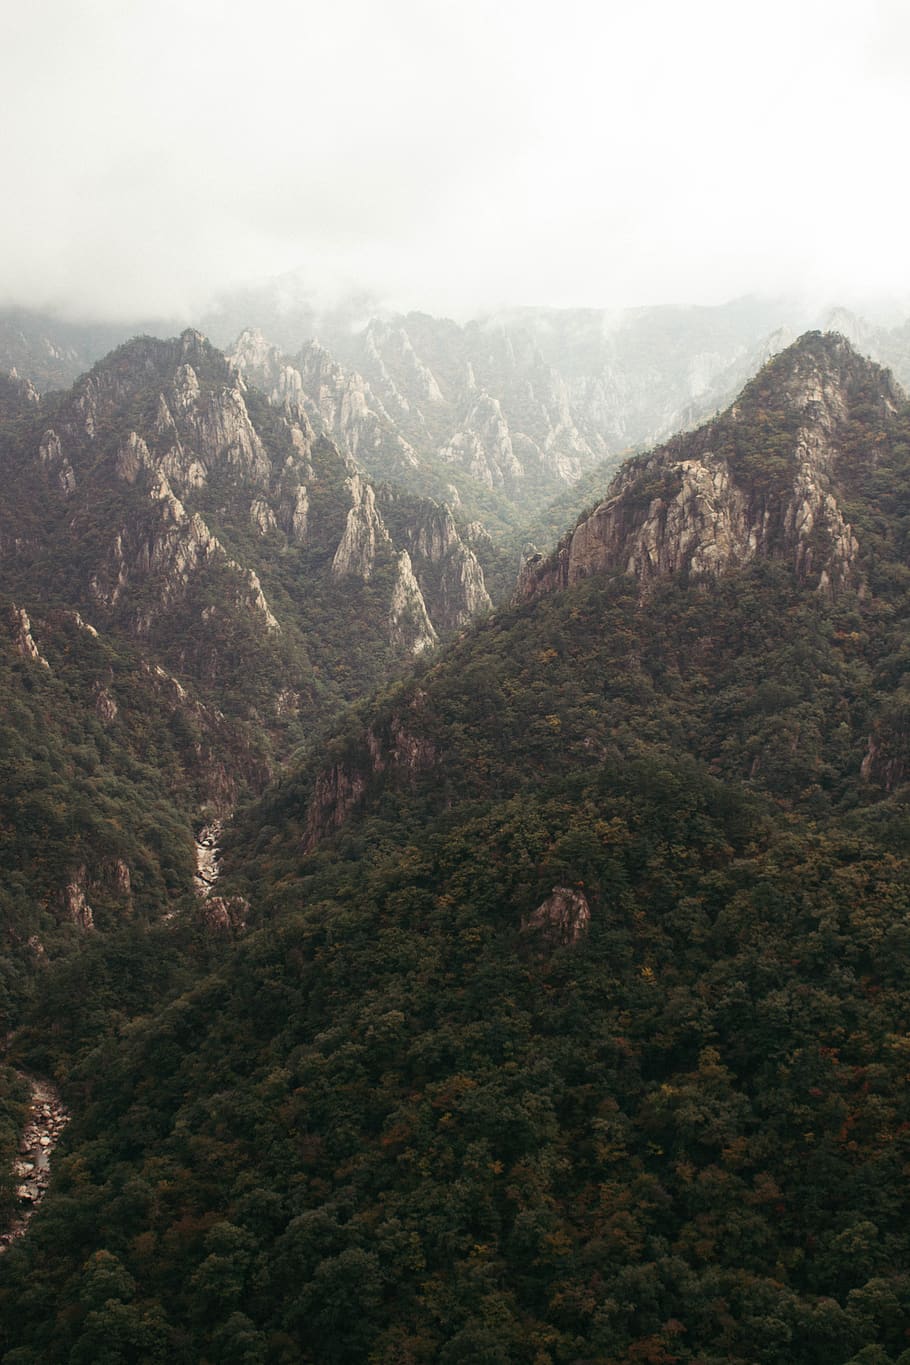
(570, 1019)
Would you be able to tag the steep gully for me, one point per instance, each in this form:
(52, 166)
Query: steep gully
(31, 1169)
(47, 1115)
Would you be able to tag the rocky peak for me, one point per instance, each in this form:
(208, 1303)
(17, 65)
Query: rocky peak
(410, 628)
(446, 568)
(483, 445)
(193, 343)
(762, 481)
(364, 534)
(251, 352)
(434, 535)
(24, 389)
(225, 434)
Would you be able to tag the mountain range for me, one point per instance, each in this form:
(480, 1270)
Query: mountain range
(551, 1002)
(497, 417)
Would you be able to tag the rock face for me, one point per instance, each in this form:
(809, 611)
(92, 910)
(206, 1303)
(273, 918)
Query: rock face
(51, 456)
(312, 387)
(446, 568)
(479, 399)
(245, 581)
(225, 915)
(722, 497)
(199, 432)
(564, 917)
(409, 397)
(75, 902)
(364, 537)
(410, 627)
(207, 857)
(381, 522)
(483, 445)
(200, 455)
(22, 636)
(396, 747)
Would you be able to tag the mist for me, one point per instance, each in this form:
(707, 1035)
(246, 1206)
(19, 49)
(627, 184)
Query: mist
(458, 157)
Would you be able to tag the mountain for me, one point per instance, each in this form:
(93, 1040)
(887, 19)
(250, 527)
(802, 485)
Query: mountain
(889, 345)
(569, 1018)
(510, 420)
(764, 481)
(53, 351)
(191, 585)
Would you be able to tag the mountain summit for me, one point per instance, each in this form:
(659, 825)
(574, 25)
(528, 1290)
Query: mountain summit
(766, 480)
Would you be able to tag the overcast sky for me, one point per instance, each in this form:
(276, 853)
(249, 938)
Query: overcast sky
(453, 154)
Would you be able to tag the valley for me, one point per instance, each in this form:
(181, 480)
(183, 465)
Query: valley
(452, 943)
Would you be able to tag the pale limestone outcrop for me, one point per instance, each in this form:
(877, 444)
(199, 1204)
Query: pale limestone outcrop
(105, 705)
(120, 877)
(252, 595)
(420, 375)
(483, 445)
(22, 636)
(83, 624)
(164, 424)
(350, 411)
(462, 592)
(208, 859)
(447, 571)
(364, 536)
(176, 549)
(262, 516)
(295, 515)
(337, 793)
(507, 416)
(410, 628)
(256, 360)
(74, 900)
(132, 456)
(434, 535)
(225, 914)
(53, 460)
(340, 788)
(252, 354)
(186, 388)
(287, 702)
(224, 433)
(705, 527)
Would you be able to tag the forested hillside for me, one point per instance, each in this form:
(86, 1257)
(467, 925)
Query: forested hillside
(191, 585)
(569, 1018)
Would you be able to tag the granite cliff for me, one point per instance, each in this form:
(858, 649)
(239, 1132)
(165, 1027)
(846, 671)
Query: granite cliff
(767, 480)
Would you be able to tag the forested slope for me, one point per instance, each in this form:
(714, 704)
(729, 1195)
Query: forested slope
(570, 1023)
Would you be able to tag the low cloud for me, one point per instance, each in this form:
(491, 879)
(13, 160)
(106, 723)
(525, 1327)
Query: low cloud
(452, 156)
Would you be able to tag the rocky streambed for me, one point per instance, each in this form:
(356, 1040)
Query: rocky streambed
(207, 857)
(32, 1168)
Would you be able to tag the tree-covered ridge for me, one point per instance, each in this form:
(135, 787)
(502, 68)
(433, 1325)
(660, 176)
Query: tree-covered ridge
(571, 1022)
(403, 1121)
(770, 478)
(169, 501)
(173, 541)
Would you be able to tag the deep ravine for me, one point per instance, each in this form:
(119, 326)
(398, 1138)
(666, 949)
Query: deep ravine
(32, 1168)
